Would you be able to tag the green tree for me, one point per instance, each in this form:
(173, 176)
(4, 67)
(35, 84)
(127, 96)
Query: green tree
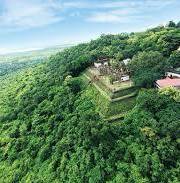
(174, 59)
(178, 25)
(146, 67)
(171, 24)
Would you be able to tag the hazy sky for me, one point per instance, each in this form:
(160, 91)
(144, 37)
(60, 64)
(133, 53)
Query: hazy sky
(28, 24)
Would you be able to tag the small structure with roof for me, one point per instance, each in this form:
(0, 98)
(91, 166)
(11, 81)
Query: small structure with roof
(168, 82)
(125, 78)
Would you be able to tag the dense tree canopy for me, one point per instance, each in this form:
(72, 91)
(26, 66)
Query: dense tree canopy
(174, 59)
(51, 129)
(147, 67)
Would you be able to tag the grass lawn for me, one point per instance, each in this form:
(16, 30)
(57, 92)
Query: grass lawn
(121, 106)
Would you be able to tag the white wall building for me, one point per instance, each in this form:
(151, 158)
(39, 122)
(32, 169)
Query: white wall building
(173, 75)
(126, 61)
(125, 78)
(97, 65)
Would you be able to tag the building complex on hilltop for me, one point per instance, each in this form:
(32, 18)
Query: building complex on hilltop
(118, 74)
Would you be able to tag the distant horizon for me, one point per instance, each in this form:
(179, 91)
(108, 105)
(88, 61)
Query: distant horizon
(34, 24)
(24, 50)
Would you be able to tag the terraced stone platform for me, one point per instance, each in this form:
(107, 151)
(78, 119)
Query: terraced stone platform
(118, 100)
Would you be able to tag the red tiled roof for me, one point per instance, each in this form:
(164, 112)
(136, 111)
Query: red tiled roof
(162, 83)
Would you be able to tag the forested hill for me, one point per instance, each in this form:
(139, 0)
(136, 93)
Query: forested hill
(51, 131)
